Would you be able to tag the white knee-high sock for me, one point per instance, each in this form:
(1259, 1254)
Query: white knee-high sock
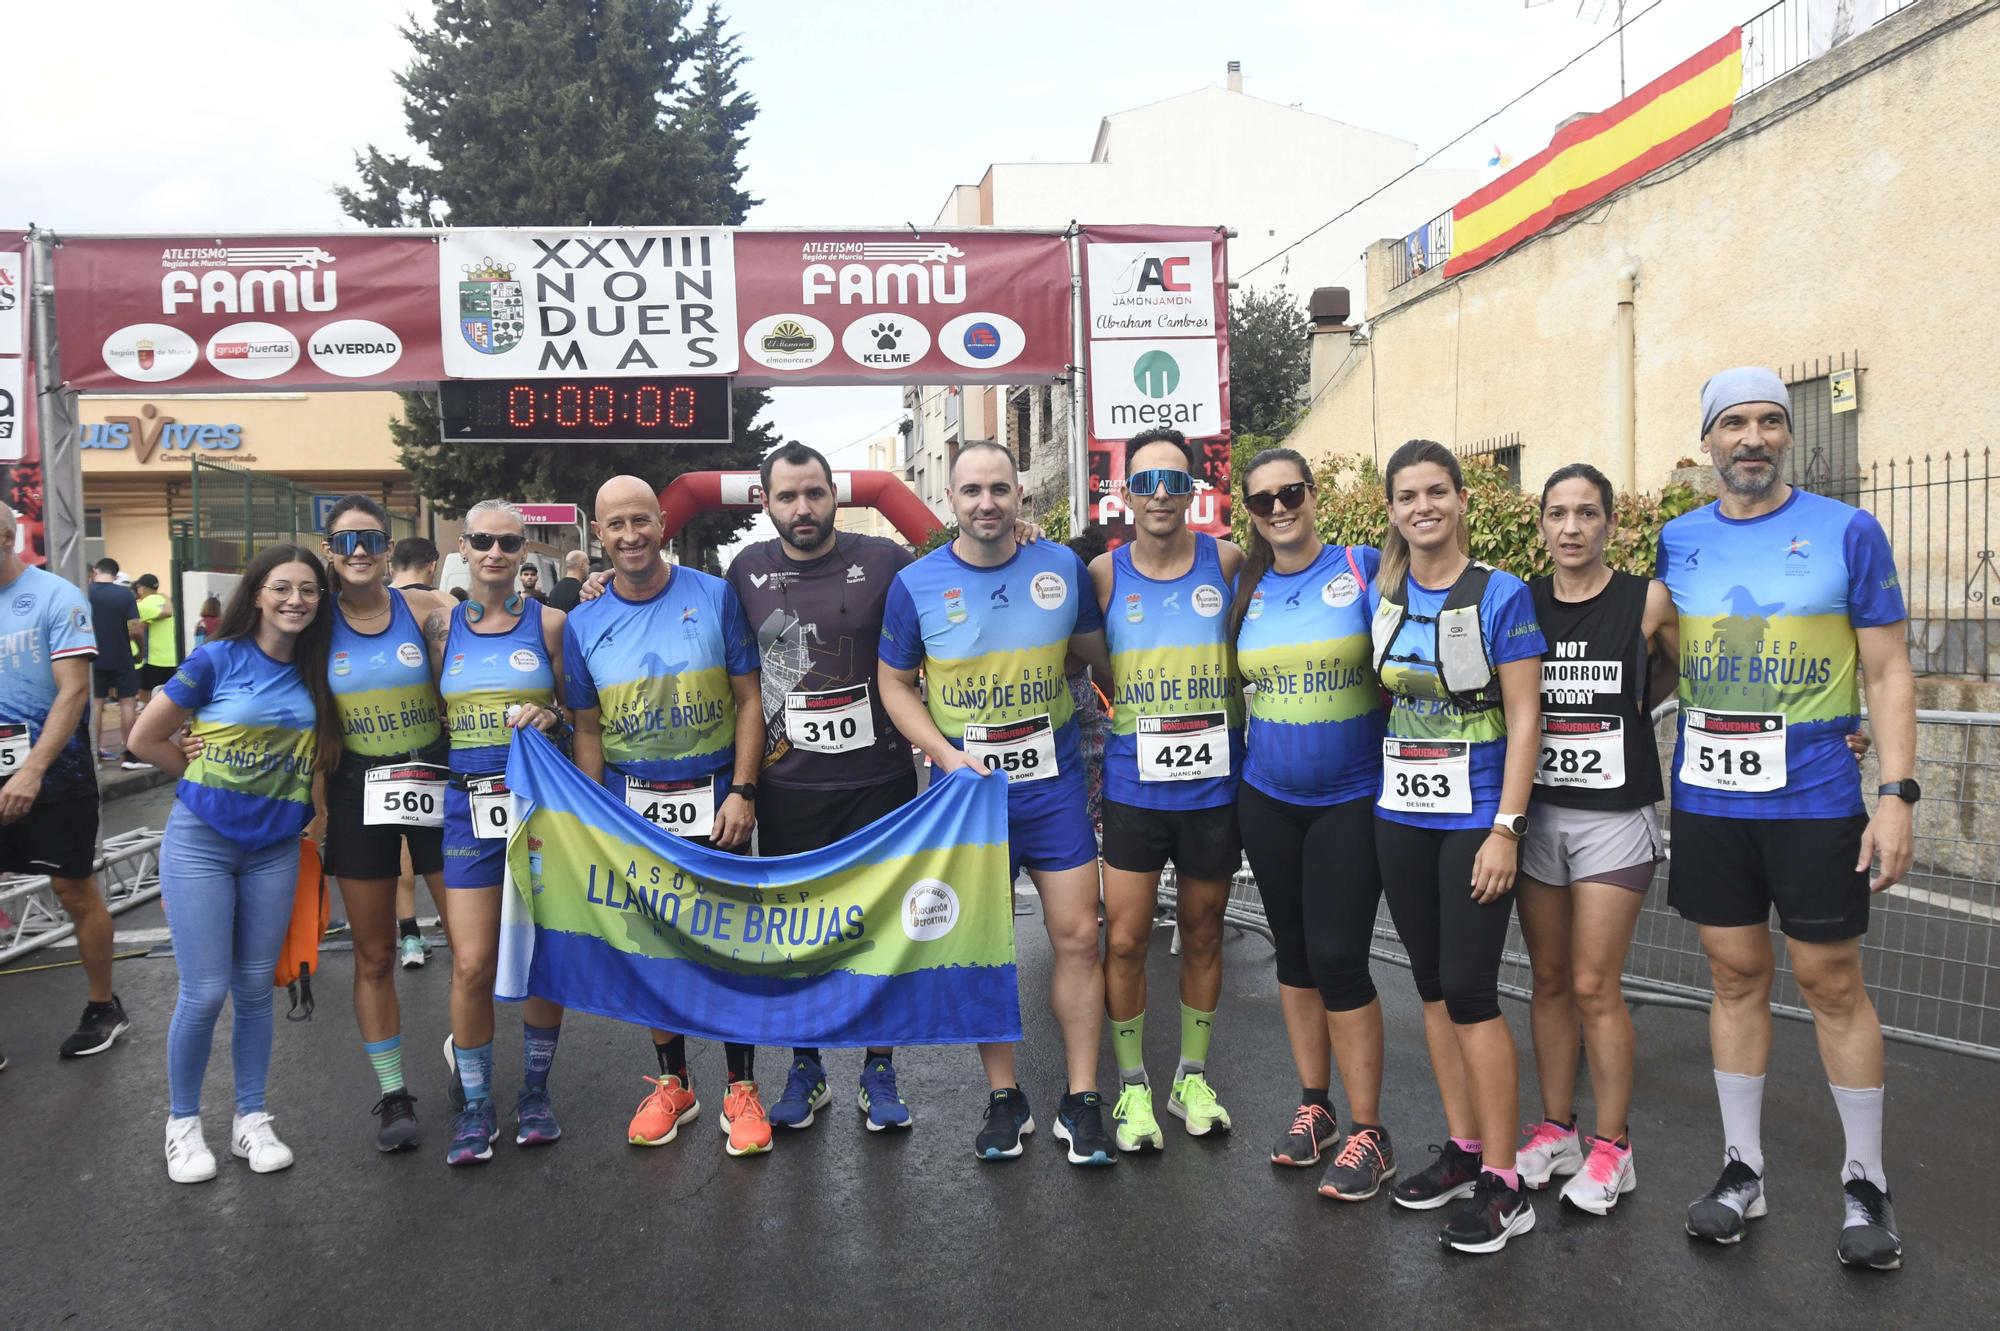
(1742, 1116)
(1861, 1119)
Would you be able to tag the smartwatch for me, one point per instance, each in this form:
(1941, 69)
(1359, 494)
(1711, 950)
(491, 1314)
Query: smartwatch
(1514, 825)
(748, 790)
(1905, 790)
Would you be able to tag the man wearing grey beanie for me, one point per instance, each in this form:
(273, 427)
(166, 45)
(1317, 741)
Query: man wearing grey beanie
(1780, 593)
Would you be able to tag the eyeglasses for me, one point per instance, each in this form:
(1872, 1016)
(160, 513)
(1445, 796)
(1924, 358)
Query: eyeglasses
(347, 542)
(1147, 483)
(483, 541)
(1285, 496)
(308, 591)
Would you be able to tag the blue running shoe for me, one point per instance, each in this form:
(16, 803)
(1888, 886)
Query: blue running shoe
(1080, 1125)
(805, 1094)
(536, 1118)
(879, 1098)
(472, 1132)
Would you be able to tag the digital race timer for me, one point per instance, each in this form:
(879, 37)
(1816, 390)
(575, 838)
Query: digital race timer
(602, 411)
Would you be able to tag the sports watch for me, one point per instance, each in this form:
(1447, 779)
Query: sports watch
(1905, 790)
(748, 790)
(1513, 825)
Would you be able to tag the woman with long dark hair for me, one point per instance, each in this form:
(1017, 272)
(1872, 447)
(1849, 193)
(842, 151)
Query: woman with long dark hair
(256, 697)
(386, 792)
(1458, 649)
(1299, 620)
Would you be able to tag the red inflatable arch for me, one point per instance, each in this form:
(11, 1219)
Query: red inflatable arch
(696, 492)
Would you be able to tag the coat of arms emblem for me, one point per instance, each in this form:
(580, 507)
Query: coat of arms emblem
(492, 312)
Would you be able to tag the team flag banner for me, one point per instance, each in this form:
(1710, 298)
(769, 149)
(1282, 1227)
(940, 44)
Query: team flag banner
(1682, 109)
(901, 934)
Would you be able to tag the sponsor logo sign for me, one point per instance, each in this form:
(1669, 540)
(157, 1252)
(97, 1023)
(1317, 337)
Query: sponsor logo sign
(1136, 385)
(13, 304)
(1151, 290)
(625, 302)
(13, 392)
(789, 341)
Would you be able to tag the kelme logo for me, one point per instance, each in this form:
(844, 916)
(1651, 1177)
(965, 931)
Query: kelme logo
(1156, 374)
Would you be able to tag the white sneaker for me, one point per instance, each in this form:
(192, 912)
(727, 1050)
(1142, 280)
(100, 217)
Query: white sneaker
(1546, 1151)
(251, 1138)
(1606, 1176)
(188, 1157)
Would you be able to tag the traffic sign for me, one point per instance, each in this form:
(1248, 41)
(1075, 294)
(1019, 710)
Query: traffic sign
(550, 515)
(323, 509)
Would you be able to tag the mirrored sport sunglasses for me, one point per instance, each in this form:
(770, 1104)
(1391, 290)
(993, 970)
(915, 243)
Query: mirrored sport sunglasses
(1148, 482)
(482, 541)
(347, 542)
(1285, 496)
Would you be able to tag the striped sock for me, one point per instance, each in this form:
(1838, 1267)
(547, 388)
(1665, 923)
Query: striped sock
(387, 1056)
(475, 1073)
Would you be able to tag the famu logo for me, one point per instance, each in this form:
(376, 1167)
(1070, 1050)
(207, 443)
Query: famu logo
(1156, 374)
(930, 910)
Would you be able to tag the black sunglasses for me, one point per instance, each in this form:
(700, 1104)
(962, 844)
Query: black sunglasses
(482, 541)
(1285, 496)
(1146, 483)
(347, 542)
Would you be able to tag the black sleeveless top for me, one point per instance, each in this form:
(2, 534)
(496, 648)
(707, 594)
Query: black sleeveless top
(1597, 749)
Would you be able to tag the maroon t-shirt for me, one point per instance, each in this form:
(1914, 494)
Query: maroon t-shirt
(818, 626)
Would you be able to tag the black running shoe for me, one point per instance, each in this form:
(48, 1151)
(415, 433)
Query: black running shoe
(398, 1112)
(1720, 1213)
(1080, 1124)
(102, 1024)
(1313, 1130)
(1495, 1214)
(1007, 1120)
(1449, 1176)
(1868, 1237)
(1366, 1161)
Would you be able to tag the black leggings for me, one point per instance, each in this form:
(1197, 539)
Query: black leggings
(1320, 888)
(1454, 942)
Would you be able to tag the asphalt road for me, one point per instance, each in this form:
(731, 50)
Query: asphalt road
(838, 1225)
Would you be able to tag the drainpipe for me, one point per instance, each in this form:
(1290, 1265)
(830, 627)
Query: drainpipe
(1628, 373)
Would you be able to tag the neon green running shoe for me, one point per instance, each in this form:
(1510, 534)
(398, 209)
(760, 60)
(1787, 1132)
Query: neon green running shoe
(1134, 1127)
(1194, 1103)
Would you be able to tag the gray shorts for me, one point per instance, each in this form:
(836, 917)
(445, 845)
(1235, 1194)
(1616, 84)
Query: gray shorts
(1567, 846)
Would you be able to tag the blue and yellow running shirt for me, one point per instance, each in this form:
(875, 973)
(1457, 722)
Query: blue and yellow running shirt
(382, 685)
(1419, 708)
(43, 619)
(1768, 607)
(1176, 707)
(991, 641)
(658, 673)
(252, 781)
(484, 675)
(1315, 732)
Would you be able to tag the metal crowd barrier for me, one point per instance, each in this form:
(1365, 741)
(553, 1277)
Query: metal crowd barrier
(1931, 957)
(128, 873)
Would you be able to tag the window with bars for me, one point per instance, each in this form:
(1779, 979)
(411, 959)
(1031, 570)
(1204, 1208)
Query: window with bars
(1826, 444)
(1502, 451)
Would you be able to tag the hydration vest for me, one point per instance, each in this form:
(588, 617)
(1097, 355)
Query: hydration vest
(1463, 662)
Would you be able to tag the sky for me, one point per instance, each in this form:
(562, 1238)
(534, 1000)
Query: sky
(243, 114)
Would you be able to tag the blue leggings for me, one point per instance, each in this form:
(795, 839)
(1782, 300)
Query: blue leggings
(228, 909)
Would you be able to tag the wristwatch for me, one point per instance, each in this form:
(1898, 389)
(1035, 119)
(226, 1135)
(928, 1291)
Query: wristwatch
(1513, 825)
(1905, 790)
(748, 790)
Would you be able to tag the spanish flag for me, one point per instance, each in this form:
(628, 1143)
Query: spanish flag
(1682, 109)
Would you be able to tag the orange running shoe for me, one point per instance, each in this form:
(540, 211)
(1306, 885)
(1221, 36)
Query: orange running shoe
(660, 1114)
(744, 1119)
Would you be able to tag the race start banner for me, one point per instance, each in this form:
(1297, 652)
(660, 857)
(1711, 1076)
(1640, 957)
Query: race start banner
(20, 450)
(901, 934)
(386, 310)
(1156, 323)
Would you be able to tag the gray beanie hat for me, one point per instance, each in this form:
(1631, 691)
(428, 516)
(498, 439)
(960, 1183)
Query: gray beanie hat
(1745, 383)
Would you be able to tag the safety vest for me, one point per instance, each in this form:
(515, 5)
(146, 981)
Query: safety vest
(1463, 661)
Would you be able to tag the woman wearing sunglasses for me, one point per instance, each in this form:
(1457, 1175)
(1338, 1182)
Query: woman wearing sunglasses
(1458, 649)
(257, 695)
(497, 656)
(1305, 805)
(387, 791)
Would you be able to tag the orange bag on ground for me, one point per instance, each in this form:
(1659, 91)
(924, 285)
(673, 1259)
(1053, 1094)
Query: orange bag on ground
(299, 957)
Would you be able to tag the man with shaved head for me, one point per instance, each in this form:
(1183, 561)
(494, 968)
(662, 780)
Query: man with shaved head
(661, 677)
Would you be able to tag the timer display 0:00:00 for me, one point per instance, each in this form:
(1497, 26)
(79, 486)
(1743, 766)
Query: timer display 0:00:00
(573, 406)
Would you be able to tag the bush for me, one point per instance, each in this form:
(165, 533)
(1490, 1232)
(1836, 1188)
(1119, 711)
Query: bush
(1502, 522)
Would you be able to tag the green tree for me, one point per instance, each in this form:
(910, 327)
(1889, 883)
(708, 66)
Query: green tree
(1269, 361)
(590, 113)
